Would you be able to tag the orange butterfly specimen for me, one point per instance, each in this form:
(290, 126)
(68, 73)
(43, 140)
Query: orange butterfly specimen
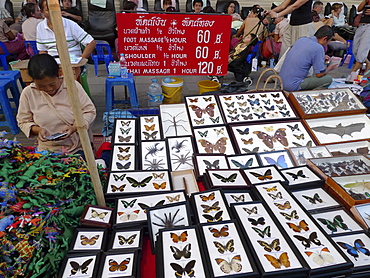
(220, 233)
(121, 157)
(120, 188)
(124, 150)
(205, 198)
(193, 99)
(270, 140)
(114, 266)
(208, 110)
(283, 260)
(89, 241)
(149, 128)
(149, 120)
(219, 146)
(179, 238)
(227, 98)
(285, 206)
(160, 186)
(280, 101)
(246, 142)
(266, 176)
(301, 226)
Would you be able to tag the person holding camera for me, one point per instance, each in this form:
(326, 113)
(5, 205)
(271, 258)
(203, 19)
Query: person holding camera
(300, 24)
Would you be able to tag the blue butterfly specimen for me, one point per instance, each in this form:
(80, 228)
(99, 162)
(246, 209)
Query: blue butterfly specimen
(216, 120)
(261, 116)
(354, 251)
(280, 162)
(254, 102)
(286, 114)
(243, 132)
(241, 165)
(121, 166)
(272, 108)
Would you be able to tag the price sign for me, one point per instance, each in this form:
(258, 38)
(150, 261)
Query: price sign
(174, 44)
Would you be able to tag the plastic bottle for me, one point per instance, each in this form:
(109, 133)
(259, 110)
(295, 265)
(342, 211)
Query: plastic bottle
(361, 72)
(155, 96)
(123, 66)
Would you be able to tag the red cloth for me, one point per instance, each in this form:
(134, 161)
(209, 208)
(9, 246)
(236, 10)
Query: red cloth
(106, 146)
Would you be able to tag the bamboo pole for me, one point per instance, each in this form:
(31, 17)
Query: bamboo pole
(56, 20)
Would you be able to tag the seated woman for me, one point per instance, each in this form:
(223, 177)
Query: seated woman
(70, 12)
(167, 4)
(237, 21)
(45, 108)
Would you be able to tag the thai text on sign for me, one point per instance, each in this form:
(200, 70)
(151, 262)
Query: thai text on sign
(174, 44)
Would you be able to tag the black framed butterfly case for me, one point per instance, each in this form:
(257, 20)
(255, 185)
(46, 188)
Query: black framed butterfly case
(150, 128)
(123, 238)
(180, 152)
(282, 159)
(80, 265)
(225, 178)
(95, 216)
(179, 252)
(244, 161)
(153, 155)
(237, 195)
(301, 177)
(273, 251)
(209, 161)
(125, 131)
(227, 254)
(124, 157)
(264, 174)
(87, 239)
(175, 120)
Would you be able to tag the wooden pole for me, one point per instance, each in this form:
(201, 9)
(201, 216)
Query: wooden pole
(56, 20)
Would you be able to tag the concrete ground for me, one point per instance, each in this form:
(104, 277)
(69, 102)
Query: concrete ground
(97, 89)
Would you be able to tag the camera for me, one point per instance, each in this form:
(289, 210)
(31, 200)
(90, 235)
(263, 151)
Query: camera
(260, 13)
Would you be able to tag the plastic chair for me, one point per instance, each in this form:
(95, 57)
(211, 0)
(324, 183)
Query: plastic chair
(13, 76)
(10, 121)
(117, 81)
(31, 48)
(103, 53)
(349, 52)
(3, 57)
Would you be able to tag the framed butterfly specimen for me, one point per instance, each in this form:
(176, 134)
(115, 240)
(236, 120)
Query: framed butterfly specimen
(216, 141)
(300, 155)
(150, 128)
(175, 120)
(185, 180)
(340, 129)
(124, 131)
(226, 178)
(120, 263)
(154, 155)
(209, 161)
(324, 103)
(180, 151)
(337, 222)
(204, 112)
(88, 239)
(302, 177)
(167, 217)
(237, 196)
(80, 265)
(264, 174)
(315, 199)
(125, 238)
(362, 214)
(123, 158)
(243, 161)
(281, 159)
(96, 216)
(179, 253)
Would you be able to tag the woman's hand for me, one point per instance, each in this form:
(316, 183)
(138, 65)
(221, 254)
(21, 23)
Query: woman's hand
(42, 134)
(69, 130)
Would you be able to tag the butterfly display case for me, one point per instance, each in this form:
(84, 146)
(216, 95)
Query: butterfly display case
(281, 159)
(123, 238)
(167, 216)
(264, 174)
(132, 211)
(318, 250)
(210, 206)
(203, 111)
(80, 265)
(133, 182)
(315, 199)
(362, 214)
(185, 180)
(120, 263)
(233, 178)
(213, 140)
(237, 196)
(150, 128)
(175, 120)
(95, 216)
(326, 103)
(86, 240)
(273, 252)
(357, 249)
(125, 131)
(302, 177)
(123, 158)
(339, 129)
(356, 186)
(255, 107)
(209, 161)
(350, 148)
(337, 221)
(226, 252)
(300, 155)
(180, 153)
(244, 161)
(154, 155)
(179, 253)
(266, 137)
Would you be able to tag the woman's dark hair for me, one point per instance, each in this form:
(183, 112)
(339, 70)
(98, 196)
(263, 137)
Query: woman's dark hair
(170, 9)
(42, 65)
(129, 6)
(227, 6)
(41, 4)
(29, 8)
(208, 10)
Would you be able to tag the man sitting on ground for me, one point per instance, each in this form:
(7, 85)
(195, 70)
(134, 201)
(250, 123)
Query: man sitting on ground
(308, 52)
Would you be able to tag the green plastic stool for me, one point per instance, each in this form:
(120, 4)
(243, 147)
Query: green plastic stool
(84, 83)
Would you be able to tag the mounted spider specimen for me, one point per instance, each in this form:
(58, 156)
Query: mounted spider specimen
(178, 146)
(153, 150)
(175, 122)
(154, 165)
(169, 221)
(182, 160)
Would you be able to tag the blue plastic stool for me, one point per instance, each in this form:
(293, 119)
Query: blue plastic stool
(11, 122)
(13, 76)
(118, 81)
(349, 52)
